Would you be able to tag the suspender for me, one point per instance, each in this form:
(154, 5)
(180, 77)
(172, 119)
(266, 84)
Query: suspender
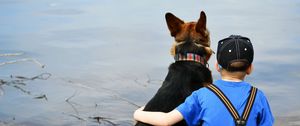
(239, 121)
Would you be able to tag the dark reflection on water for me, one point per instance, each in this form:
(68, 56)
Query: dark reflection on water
(108, 57)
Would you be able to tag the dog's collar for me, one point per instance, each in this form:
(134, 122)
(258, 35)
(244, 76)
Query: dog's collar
(190, 57)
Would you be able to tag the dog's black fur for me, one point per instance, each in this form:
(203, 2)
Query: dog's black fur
(183, 78)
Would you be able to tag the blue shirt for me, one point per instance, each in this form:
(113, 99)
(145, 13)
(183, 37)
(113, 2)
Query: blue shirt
(203, 106)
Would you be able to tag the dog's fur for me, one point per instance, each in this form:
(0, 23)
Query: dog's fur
(183, 77)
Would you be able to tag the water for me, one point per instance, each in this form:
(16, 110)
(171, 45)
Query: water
(108, 57)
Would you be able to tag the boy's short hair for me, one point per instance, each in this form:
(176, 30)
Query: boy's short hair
(235, 53)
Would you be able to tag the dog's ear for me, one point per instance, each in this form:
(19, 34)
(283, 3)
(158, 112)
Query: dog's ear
(174, 23)
(201, 24)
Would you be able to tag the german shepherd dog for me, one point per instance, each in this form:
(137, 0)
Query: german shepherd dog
(189, 72)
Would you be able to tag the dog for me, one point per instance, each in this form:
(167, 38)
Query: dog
(189, 72)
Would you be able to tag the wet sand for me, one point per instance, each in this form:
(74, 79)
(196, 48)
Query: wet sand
(106, 58)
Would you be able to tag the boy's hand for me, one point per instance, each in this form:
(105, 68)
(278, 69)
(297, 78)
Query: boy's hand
(157, 118)
(141, 108)
(135, 112)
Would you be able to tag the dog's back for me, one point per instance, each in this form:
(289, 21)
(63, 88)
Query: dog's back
(189, 72)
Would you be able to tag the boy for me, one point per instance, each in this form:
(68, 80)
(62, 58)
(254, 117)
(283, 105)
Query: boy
(207, 106)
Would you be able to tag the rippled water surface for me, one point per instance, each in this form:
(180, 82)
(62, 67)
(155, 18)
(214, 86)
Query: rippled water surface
(106, 57)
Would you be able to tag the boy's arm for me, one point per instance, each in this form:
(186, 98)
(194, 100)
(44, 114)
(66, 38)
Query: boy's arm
(158, 118)
(265, 118)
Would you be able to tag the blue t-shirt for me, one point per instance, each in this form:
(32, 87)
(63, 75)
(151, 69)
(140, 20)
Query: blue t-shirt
(204, 107)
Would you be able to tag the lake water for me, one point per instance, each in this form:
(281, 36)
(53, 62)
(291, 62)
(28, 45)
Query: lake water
(107, 57)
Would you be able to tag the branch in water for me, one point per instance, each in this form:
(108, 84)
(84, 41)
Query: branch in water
(76, 116)
(41, 97)
(23, 60)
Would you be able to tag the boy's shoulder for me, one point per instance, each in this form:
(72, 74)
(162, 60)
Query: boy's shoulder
(260, 95)
(203, 94)
(203, 90)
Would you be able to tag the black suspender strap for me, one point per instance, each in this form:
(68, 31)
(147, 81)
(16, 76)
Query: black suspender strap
(249, 104)
(234, 113)
(225, 101)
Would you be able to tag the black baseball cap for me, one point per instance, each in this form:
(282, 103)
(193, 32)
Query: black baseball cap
(235, 53)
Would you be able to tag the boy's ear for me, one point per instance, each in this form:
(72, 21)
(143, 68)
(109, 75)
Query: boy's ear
(217, 67)
(174, 23)
(249, 69)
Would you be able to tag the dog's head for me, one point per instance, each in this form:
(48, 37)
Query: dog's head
(190, 37)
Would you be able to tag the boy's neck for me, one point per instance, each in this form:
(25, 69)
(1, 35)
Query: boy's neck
(233, 76)
(231, 79)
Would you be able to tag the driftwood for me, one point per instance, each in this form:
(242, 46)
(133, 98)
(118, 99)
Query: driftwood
(19, 82)
(98, 119)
